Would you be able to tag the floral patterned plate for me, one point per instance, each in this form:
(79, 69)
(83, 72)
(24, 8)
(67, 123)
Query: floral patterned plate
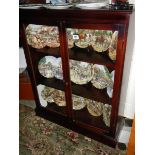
(46, 66)
(39, 36)
(113, 46)
(101, 77)
(110, 88)
(78, 102)
(41, 99)
(102, 40)
(59, 97)
(53, 95)
(106, 114)
(70, 33)
(47, 94)
(58, 69)
(95, 108)
(80, 72)
(83, 40)
(33, 36)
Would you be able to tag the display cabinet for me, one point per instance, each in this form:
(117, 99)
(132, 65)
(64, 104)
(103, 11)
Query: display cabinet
(75, 61)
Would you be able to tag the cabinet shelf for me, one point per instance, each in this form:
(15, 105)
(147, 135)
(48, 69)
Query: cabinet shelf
(85, 55)
(52, 82)
(47, 50)
(90, 92)
(91, 56)
(87, 90)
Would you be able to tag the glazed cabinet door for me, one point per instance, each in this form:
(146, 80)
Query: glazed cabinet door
(42, 44)
(92, 51)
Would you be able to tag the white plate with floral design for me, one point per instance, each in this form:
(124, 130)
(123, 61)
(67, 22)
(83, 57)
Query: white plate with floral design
(59, 97)
(39, 90)
(102, 40)
(106, 114)
(80, 72)
(78, 102)
(110, 88)
(95, 108)
(113, 46)
(101, 77)
(46, 66)
(47, 94)
(39, 36)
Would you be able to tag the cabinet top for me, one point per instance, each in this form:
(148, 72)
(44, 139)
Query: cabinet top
(72, 14)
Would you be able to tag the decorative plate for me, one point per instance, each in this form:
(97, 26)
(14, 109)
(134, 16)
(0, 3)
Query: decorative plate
(70, 33)
(110, 88)
(90, 5)
(95, 108)
(47, 94)
(106, 114)
(42, 101)
(58, 69)
(59, 97)
(39, 36)
(80, 72)
(113, 46)
(78, 102)
(33, 36)
(102, 77)
(50, 36)
(46, 66)
(58, 6)
(83, 38)
(30, 6)
(102, 40)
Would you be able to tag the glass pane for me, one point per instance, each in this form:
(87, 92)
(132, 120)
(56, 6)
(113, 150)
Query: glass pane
(44, 48)
(91, 54)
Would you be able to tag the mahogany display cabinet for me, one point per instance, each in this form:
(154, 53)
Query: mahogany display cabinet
(75, 60)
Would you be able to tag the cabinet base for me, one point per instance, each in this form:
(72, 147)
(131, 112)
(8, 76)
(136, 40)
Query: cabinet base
(68, 123)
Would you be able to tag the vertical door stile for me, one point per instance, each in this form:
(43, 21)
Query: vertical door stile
(29, 63)
(118, 76)
(65, 66)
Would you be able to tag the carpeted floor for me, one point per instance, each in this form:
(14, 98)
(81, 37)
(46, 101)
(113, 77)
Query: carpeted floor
(41, 137)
